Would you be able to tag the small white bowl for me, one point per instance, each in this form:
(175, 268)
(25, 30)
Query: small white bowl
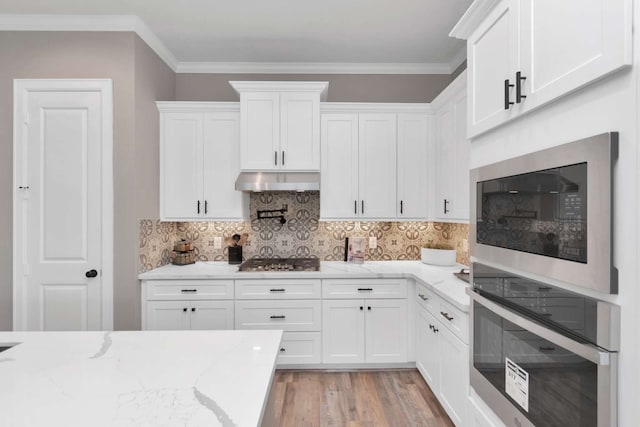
(444, 257)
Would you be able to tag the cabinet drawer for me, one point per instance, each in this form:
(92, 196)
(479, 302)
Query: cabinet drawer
(189, 289)
(298, 315)
(278, 289)
(428, 299)
(364, 288)
(300, 348)
(455, 320)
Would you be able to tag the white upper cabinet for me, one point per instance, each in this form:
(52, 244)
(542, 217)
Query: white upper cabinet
(377, 166)
(413, 166)
(492, 60)
(339, 171)
(199, 162)
(525, 53)
(375, 161)
(451, 200)
(280, 125)
(358, 173)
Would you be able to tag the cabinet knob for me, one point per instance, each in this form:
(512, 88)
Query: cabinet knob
(184, 309)
(193, 309)
(369, 308)
(361, 308)
(283, 349)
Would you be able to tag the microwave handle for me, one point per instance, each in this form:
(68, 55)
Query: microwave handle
(587, 351)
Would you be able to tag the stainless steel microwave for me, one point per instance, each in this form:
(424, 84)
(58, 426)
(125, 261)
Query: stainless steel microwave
(550, 213)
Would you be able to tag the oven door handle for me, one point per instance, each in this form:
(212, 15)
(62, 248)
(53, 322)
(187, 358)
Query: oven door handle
(586, 351)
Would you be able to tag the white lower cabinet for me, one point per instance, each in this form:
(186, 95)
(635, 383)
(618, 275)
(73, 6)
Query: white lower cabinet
(187, 304)
(300, 348)
(364, 331)
(194, 315)
(442, 356)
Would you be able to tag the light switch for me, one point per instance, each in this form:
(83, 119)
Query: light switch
(217, 242)
(373, 242)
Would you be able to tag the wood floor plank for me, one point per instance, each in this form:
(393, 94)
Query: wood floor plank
(356, 399)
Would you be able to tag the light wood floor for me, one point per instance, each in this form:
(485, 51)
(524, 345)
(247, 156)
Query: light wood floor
(361, 398)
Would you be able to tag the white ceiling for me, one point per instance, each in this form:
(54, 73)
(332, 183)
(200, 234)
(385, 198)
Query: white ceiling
(284, 31)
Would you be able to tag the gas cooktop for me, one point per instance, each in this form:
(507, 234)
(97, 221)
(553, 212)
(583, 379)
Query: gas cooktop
(280, 264)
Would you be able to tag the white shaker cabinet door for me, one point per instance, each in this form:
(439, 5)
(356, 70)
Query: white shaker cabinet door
(168, 315)
(211, 315)
(339, 170)
(260, 132)
(413, 159)
(221, 166)
(377, 166)
(567, 44)
(343, 331)
(428, 348)
(181, 165)
(386, 331)
(492, 58)
(300, 131)
(454, 384)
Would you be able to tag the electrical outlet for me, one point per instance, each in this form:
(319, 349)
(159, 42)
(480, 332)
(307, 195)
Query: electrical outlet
(217, 242)
(373, 242)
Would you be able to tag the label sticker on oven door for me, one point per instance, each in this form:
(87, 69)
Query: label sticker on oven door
(517, 383)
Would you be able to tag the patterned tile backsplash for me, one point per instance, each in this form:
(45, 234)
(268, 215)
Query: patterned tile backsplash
(303, 235)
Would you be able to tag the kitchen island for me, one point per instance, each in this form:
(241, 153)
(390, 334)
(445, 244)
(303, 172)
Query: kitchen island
(137, 378)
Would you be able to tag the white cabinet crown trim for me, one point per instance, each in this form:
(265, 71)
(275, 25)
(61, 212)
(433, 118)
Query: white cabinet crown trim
(451, 91)
(375, 107)
(184, 106)
(269, 86)
(476, 13)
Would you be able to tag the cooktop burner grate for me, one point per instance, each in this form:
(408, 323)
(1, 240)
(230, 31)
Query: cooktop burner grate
(280, 264)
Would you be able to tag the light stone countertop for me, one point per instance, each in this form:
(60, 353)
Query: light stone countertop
(440, 279)
(136, 378)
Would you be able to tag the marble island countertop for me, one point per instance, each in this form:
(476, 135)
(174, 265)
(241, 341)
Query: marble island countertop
(186, 378)
(440, 279)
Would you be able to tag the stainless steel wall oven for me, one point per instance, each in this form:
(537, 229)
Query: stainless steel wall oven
(541, 355)
(549, 213)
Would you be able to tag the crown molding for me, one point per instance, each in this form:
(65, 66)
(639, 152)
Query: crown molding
(312, 68)
(22, 22)
(375, 107)
(458, 59)
(89, 23)
(197, 106)
(478, 10)
(459, 85)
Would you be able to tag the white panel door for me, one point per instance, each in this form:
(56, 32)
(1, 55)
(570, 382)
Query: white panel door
(300, 131)
(181, 163)
(492, 57)
(260, 132)
(59, 208)
(343, 331)
(454, 384)
(428, 349)
(221, 166)
(377, 166)
(168, 315)
(208, 315)
(570, 43)
(386, 331)
(459, 162)
(413, 146)
(339, 171)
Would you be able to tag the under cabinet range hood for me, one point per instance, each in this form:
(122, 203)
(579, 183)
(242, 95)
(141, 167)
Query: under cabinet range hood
(278, 181)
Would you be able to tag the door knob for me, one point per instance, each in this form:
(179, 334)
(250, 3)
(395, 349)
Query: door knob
(91, 273)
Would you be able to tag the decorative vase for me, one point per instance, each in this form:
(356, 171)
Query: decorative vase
(445, 257)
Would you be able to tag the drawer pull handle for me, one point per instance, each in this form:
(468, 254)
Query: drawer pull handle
(446, 316)
(188, 290)
(365, 289)
(283, 349)
(543, 348)
(276, 290)
(282, 316)
(423, 298)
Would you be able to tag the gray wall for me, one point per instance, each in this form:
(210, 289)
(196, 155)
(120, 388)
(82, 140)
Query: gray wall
(90, 55)
(342, 87)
